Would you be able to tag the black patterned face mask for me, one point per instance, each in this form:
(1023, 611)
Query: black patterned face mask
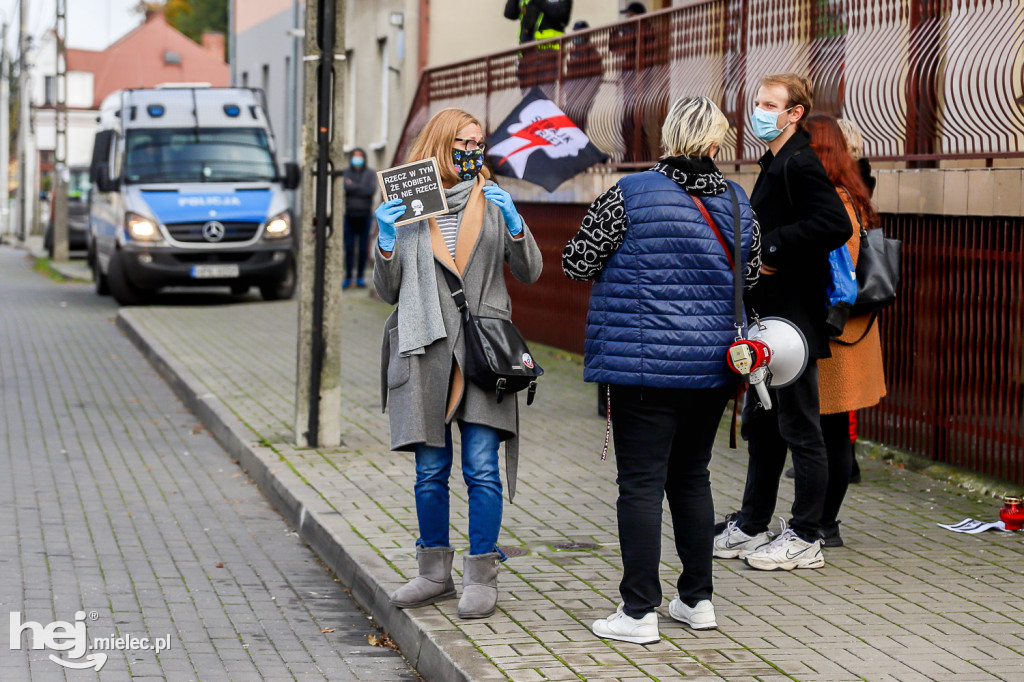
(468, 163)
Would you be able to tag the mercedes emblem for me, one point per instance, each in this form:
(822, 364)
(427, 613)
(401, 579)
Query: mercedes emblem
(213, 231)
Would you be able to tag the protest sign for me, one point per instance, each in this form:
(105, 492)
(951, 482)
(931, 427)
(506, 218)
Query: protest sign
(418, 185)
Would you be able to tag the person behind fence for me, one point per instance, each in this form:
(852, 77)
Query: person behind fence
(803, 220)
(360, 190)
(852, 378)
(539, 20)
(422, 384)
(651, 249)
(855, 145)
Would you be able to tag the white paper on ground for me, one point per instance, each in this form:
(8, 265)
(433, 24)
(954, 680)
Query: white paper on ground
(973, 526)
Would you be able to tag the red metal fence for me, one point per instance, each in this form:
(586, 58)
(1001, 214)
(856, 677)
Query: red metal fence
(924, 79)
(954, 344)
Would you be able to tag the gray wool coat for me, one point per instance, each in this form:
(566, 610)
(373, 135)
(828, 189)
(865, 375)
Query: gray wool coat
(422, 392)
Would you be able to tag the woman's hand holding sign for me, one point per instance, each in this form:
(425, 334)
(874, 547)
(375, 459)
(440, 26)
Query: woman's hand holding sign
(387, 213)
(503, 200)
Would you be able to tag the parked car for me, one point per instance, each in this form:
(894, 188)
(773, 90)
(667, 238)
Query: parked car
(187, 192)
(78, 188)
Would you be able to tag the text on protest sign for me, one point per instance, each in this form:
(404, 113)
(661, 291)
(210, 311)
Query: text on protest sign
(418, 185)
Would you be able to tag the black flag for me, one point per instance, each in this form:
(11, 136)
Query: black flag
(538, 143)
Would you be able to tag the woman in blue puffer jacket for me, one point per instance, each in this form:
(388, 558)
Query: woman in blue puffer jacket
(659, 245)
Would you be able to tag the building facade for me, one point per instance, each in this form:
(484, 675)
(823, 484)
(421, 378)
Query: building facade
(387, 45)
(151, 54)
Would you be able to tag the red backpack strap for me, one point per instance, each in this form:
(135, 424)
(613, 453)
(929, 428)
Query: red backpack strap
(714, 228)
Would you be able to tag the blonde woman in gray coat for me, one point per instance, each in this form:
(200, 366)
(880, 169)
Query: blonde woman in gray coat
(423, 351)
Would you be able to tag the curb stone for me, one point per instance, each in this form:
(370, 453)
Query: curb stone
(440, 655)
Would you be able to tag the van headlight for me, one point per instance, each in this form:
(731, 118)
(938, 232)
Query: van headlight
(279, 226)
(141, 228)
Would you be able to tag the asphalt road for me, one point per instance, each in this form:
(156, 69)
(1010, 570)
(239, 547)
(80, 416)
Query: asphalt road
(127, 521)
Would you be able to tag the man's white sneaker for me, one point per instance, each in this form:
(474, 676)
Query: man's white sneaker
(700, 617)
(625, 629)
(787, 552)
(732, 543)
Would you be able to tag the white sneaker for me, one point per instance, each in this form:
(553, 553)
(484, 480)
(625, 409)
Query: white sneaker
(700, 617)
(787, 552)
(625, 629)
(732, 543)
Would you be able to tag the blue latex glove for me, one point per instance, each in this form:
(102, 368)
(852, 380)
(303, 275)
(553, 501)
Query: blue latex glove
(503, 200)
(387, 213)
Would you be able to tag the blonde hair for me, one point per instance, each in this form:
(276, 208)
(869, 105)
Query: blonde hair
(799, 90)
(436, 141)
(692, 125)
(854, 141)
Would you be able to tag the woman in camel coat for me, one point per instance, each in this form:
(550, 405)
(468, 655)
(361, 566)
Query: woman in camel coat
(853, 378)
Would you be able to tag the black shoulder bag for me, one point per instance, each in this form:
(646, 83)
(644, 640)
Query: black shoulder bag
(878, 275)
(497, 357)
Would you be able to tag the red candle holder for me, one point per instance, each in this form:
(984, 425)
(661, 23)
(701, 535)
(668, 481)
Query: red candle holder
(1012, 513)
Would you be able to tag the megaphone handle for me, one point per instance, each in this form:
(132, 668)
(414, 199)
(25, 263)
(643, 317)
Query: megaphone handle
(762, 393)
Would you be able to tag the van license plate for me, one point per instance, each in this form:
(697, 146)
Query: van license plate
(214, 271)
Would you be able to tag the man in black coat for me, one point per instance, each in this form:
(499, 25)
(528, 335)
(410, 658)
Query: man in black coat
(802, 220)
(360, 189)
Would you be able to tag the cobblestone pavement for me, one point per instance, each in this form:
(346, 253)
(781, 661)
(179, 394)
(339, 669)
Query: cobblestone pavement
(904, 600)
(118, 503)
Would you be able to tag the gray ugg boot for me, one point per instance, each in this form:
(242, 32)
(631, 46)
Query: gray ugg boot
(433, 584)
(479, 585)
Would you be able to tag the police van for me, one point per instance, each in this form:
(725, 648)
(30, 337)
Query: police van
(187, 192)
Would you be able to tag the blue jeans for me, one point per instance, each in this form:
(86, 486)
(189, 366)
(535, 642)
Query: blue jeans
(480, 471)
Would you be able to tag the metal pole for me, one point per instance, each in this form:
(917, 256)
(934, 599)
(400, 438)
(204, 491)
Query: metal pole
(60, 147)
(231, 35)
(318, 398)
(5, 135)
(22, 119)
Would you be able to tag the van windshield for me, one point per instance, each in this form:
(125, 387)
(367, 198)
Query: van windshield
(198, 155)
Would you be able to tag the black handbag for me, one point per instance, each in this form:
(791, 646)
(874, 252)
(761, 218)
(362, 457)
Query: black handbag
(878, 276)
(878, 272)
(497, 357)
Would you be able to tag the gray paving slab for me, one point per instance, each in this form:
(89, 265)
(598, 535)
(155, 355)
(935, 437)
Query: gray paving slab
(120, 503)
(903, 600)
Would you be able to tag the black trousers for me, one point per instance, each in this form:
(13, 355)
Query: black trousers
(836, 430)
(357, 247)
(663, 440)
(793, 423)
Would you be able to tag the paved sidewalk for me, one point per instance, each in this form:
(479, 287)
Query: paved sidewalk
(118, 502)
(904, 600)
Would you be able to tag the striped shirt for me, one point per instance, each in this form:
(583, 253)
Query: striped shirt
(449, 224)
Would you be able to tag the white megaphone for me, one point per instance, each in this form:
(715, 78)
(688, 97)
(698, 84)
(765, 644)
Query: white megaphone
(773, 354)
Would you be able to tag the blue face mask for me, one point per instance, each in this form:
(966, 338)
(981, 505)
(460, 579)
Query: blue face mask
(765, 124)
(358, 161)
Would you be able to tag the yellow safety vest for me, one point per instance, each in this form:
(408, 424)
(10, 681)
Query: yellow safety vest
(546, 33)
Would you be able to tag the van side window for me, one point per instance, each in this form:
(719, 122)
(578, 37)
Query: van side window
(115, 156)
(101, 151)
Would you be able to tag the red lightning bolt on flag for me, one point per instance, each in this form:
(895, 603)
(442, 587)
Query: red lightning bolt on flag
(529, 133)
